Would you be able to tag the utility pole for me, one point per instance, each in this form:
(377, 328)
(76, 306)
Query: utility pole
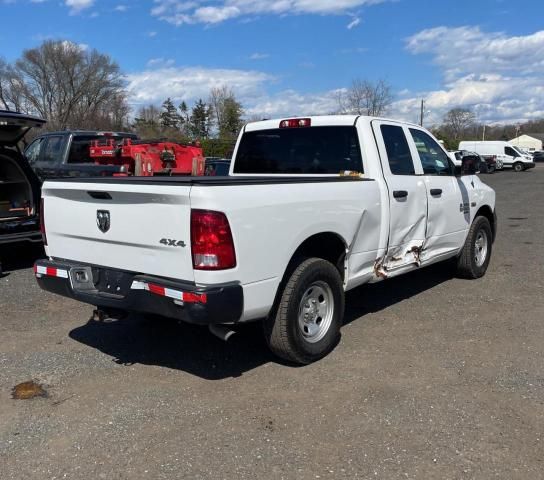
(422, 112)
(483, 134)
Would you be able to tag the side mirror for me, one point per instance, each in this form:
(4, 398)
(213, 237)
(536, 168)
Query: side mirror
(470, 165)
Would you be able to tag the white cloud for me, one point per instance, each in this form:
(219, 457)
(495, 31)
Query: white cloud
(77, 6)
(356, 21)
(160, 62)
(469, 49)
(192, 83)
(180, 12)
(121, 8)
(292, 103)
(158, 82)
(258, 56)
(498, 76)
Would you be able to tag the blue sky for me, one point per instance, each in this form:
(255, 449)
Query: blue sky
(286, 57)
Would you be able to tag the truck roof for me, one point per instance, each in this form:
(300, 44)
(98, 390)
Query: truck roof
(91, 132)
(319, 121)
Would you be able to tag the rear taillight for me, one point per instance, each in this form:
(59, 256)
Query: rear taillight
(42, 222)
(211, 241)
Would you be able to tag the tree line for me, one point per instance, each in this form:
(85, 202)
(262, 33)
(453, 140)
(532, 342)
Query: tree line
(74, 87)
(69, 85)
(214, 123)
(77, 87)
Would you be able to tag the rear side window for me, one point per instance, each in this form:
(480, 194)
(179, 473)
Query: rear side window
(79, 149)
(313, 150)
(53, 149)
(32, 153)
(398, 151)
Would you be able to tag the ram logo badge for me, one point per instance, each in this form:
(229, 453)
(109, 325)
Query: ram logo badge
(103, 220)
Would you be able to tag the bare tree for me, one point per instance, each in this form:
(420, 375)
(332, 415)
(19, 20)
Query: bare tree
(365, 98)
(149, 114)
(68, 85)
(226, 111)
(4, 84)
(457, 121)
(11, 89)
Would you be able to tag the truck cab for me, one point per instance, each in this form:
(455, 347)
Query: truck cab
(66, 154)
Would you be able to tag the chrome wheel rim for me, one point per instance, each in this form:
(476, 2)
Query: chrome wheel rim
(315, 312)
(480, 248)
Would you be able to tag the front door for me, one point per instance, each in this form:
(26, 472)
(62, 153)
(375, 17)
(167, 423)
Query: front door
(407, 197)
(447, 196)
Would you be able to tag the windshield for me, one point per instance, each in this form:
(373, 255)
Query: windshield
(313, 150)
(521, 152)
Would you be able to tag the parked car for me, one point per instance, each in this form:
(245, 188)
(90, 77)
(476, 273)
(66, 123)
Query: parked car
(19, 186)
(538, 156)
(511, 155)
(216, 166)
(66, 154)
(486, 164)
(314, 207)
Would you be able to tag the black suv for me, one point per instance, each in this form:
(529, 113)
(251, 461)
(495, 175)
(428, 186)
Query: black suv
(66, 154)
(19, 186)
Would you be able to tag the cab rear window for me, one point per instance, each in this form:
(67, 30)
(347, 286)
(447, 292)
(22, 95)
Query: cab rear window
(313, 150)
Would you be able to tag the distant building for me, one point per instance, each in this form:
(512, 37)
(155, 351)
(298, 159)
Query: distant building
(530, 141)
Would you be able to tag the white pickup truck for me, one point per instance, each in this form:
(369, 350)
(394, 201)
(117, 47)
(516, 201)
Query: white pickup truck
(313, 207)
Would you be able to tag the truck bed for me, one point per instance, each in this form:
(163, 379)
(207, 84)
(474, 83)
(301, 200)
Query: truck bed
(150, 231)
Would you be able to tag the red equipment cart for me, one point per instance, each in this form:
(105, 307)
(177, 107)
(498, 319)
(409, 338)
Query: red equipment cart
(146, 158)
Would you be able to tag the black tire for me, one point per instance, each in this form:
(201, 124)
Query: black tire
(283, 332)
(467, 264)
(518, 167)
(491, 170)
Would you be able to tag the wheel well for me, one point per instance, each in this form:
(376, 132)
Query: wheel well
(328, 246)
(486, 212)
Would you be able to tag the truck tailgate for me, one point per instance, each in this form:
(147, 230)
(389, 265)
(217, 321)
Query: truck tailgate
(148, 232)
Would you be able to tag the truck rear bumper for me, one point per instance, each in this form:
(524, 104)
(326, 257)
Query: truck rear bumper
(129, 291)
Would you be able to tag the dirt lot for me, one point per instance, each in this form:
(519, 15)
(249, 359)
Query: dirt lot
(434, 378)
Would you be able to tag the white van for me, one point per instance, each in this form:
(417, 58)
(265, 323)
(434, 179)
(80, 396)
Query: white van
(511, 155)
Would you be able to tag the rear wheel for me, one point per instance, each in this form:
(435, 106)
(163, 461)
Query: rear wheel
(474, 259)
(305, 324)
(518, 167)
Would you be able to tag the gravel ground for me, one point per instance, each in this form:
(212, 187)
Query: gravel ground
(435, 377)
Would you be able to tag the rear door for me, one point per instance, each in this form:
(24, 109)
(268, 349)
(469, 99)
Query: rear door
(407, 195)
(128, 225)
(447, 197)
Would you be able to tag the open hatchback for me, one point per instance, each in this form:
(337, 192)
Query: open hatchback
(19, 186)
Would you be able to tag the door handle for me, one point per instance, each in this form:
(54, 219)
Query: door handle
(400, 193)
(436, 191)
